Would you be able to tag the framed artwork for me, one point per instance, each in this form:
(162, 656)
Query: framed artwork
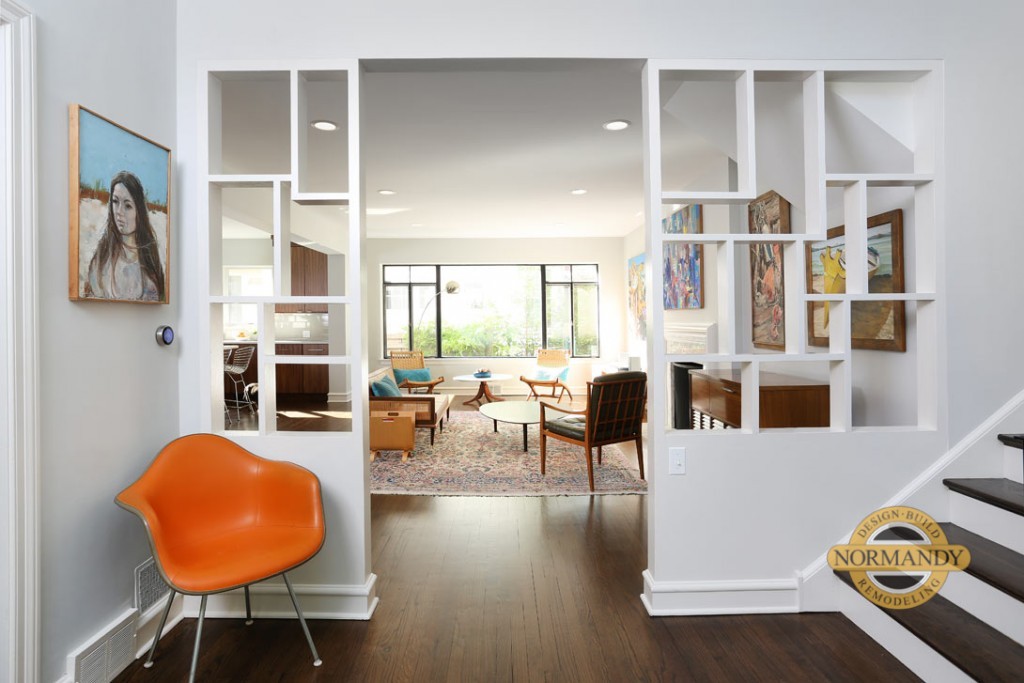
(120, 220)
(768, 215)
(689, 219)
(879, 325)
(637, 296)
(683, 262)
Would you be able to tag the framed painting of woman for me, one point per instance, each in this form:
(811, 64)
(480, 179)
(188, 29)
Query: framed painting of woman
(120, 218)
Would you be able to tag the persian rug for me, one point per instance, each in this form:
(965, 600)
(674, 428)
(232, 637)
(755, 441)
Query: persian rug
(470, 459)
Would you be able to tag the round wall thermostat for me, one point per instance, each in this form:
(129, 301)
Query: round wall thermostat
(164, 335)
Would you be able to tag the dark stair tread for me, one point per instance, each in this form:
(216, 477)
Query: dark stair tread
(1015, 440)
(979, 650)
(992, 563)
(1003, 493)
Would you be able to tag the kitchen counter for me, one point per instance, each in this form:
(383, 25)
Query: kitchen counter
(277, 341)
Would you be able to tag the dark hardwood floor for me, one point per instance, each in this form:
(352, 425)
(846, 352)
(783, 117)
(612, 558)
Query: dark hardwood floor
(297, 413)
(526, 589)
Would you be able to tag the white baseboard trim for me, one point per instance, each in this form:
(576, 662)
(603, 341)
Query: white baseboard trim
(687, 598)
(339, 397)
(271, 601)
(146, 629)
(934, 472)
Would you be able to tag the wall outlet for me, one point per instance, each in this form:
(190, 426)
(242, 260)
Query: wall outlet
(305, 334)
(677, 460)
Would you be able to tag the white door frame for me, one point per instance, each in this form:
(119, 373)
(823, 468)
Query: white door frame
(19, 372)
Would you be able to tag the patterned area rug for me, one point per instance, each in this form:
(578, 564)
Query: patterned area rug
(469, 459)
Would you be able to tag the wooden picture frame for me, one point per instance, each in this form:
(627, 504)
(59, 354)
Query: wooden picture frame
(877, 325)
(682, 265)
(768, 215)
(119, 198)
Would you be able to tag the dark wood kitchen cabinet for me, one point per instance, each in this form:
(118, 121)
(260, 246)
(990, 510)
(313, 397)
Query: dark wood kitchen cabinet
(302, 379)
(309, 278)
(315, 377)
(289, 377)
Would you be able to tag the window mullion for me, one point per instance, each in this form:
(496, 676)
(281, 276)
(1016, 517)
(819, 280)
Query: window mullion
(543, 307)
(437, 312)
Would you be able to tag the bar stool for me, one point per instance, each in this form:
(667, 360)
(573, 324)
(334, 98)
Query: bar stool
(227, 362)
(235, 369)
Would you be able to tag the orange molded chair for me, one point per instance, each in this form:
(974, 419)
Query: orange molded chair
(219, 517)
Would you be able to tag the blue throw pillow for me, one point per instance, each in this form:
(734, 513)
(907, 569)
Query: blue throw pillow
(417, 375)
(385, 387)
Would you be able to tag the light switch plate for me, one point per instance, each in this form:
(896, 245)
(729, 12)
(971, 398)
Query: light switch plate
(677, 460)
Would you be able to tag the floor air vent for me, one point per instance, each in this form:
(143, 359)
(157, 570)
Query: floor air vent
(149, 586)
(101, 660)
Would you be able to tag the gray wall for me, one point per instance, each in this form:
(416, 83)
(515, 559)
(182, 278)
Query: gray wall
(108, 394)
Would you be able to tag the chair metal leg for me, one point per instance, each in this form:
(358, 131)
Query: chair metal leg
(249, 611)
(302, 620)
(199, 634)
(159, 630)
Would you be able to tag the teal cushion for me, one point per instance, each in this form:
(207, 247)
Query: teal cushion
(385, 387)
(547, 374)
(417, 375)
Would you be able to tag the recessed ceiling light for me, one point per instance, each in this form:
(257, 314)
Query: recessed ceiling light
(324, 124)
(578, 190)
(617, 124)
(386, 193)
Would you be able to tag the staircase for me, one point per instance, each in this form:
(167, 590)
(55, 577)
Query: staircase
(974, 629)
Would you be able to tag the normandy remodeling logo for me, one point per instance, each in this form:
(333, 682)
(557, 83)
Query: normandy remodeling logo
(898, 557)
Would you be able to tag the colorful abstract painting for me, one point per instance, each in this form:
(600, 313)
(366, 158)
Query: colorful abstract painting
(637, 296)
(683, 262)
(688, 219)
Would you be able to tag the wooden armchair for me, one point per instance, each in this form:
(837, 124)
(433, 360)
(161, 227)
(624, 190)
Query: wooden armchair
(551, 373)
(411, 373)
(613, 414)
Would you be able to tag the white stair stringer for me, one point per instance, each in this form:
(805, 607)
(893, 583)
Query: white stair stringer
(995, 524)
(997, 609)
(1013, 464)
(914, 653)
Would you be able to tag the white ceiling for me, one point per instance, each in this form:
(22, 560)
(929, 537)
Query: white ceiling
(471, 148)
(493, 149)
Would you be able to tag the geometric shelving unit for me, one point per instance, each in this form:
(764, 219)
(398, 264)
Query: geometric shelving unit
(841, 143)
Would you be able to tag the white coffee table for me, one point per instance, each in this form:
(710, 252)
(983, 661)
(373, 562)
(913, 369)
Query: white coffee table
(514, 412)
(484, 391)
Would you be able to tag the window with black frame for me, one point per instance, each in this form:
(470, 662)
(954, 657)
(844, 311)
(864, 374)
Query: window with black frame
(491, 311)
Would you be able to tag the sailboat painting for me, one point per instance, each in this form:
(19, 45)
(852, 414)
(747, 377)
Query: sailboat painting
(875, 324)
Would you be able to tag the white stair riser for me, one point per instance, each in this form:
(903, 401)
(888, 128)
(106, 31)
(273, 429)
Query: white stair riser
(995, 524)
(1013, 464)
(991, 605)
(914, 653)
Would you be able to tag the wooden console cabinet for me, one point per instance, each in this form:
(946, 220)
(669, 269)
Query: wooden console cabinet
(785, 401)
